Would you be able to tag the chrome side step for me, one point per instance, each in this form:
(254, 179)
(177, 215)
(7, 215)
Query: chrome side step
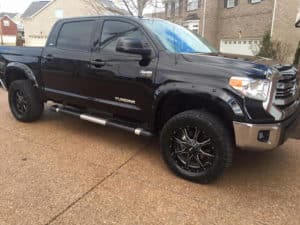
(101, 121)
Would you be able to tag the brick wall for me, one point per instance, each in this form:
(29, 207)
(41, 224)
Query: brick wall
(284, 25)
(246, 20)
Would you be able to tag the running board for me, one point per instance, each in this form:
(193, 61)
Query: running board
(101, 121)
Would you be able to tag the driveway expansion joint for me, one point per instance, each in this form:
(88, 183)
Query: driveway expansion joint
(94, 187)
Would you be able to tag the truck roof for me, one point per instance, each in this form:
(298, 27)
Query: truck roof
(135, 18)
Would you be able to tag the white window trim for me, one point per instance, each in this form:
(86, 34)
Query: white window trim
(230, 4)
(169, 9)
(6, 23)
(177, 6)
(255, 1)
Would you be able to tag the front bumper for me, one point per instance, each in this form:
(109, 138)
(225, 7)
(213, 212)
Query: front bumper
(264, 136)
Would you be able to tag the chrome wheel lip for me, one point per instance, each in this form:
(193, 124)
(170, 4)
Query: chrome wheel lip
(196, 151)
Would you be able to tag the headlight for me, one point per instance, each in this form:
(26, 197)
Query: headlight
(252, 88)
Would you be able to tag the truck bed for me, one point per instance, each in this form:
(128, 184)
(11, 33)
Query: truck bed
(21, 51)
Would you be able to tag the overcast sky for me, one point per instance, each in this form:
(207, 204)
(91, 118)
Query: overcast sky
(14, 5)
(20, 6)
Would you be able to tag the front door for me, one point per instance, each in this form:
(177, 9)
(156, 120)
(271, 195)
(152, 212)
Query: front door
(121, 83)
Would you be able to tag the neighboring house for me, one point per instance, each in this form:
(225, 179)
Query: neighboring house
(237, 26)
(8, 30)
(16, 17)
(40, 16)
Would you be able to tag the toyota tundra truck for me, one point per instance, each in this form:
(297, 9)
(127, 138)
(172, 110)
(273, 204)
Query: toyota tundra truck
(152, 77)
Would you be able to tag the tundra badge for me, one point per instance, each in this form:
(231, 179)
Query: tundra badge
(146, 74)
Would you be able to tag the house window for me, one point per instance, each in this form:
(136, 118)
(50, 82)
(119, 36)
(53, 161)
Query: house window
(255, 1)
(6, 23)
(192, 25)
(230, 3)
(59, 13)
(192, 5)
(169, 9)
(177, 7)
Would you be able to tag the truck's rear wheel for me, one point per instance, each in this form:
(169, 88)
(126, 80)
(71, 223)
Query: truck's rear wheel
(24, 101)
(196, 146)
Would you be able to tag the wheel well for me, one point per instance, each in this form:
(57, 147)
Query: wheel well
(14, 74)
(177, 103)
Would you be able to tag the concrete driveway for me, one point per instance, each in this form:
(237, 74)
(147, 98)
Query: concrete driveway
(61, 170)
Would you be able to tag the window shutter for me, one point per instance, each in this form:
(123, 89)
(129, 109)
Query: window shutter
(225, 3)
(236, 2)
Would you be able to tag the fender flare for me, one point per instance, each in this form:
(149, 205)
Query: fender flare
(24, 68)
(219, 96)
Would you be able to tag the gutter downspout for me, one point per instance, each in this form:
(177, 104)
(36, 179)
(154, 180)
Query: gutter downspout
(204, 19)
(273, 17)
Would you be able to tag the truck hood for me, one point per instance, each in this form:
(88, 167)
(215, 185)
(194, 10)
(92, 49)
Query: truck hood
(230, 65)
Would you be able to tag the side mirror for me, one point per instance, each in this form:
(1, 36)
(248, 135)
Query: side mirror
(133, 46)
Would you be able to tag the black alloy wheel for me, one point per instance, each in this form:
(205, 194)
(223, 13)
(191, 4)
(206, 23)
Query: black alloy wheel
(196, 146)
(192, 149)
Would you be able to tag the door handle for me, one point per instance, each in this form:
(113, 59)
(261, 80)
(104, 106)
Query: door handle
(49, 57)
(98, 63)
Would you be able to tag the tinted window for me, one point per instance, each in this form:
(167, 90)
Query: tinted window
(75, 35)
(113, 30)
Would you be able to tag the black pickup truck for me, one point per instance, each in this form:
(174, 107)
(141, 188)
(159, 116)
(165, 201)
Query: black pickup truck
(155, 78)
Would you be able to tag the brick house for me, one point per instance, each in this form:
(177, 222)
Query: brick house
(237, 26)
(40, 16)
(8, 31)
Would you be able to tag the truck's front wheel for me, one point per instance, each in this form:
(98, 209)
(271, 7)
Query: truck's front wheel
(196, 146)
(24, 101)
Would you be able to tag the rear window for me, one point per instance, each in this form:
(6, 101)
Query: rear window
(75, 36)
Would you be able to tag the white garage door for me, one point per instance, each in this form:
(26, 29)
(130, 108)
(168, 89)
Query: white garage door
(9, 39)
(240, 46)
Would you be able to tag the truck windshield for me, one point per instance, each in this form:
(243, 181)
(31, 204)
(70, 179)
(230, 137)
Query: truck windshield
(177, 39)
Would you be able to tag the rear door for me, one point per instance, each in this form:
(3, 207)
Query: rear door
(66, 59)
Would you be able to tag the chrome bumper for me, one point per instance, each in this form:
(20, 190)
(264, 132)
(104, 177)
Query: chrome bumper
(248, 136)
(265, 136)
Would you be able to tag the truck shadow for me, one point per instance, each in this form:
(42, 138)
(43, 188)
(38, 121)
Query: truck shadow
(248, 166)
(295, 131)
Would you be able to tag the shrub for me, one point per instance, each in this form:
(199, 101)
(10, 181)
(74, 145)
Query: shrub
(297, 56)
(276, 50)
(266, 49)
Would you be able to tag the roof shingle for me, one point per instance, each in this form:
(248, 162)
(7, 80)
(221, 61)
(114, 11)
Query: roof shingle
(34, 8)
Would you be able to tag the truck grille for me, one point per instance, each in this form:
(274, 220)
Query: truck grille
(287, 87)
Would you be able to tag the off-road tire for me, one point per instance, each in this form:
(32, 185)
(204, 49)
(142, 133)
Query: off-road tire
(31, 96)
(217, 132)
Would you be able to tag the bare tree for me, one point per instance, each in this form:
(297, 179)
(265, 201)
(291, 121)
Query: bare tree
(137, 7)
(134, 7)
(98, 8)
